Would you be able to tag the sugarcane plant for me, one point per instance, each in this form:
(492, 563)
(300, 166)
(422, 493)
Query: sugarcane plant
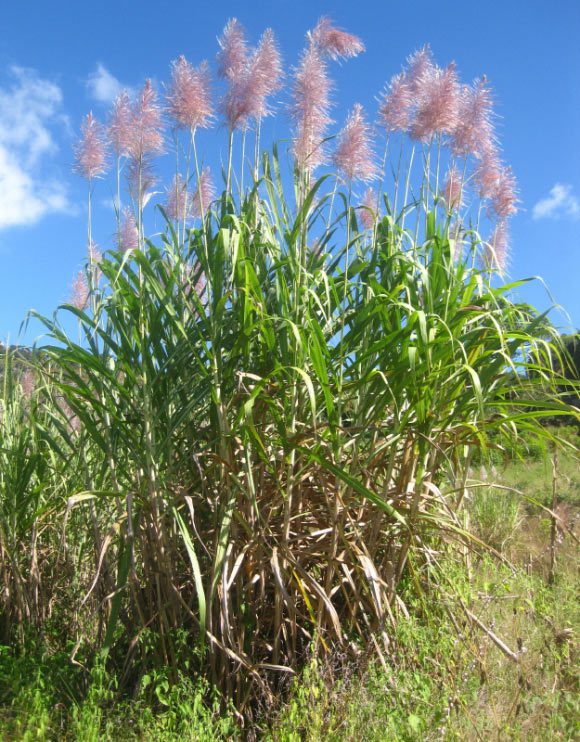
(264, 419)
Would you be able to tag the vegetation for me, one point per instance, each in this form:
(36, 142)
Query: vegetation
(438, 682)
(252, 463)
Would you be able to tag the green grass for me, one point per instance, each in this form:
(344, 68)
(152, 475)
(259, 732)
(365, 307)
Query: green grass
(534, 478)
(438, 682)
(438, 685)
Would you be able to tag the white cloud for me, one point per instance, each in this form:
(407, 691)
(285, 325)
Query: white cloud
(102, 85)
(559, 203)
(29, 110)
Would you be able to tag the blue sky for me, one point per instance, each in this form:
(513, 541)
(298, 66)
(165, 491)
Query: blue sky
(59, 59)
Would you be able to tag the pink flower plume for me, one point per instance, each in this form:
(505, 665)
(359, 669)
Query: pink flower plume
(368, 209)
(204, 194)
(396, 107)
(474, 134)
(146, 125)
(189, 94)
(487, 174)
(437, 103)
(453, 189)
(80, 291)
(91, 149)
(233, 61)
(497, 184)
(141, 179)
(120, 126)
(178, 204)
(496, 253)
(504, 200)
(257, 78)
(128, 236)
(264, 75)
(335, 43)
(233, 55)
(420, 69)
(354, 156)
(310, 108)
(94, 254)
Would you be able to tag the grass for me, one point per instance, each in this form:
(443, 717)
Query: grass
(533, 476)
(440, 685)
(437, 682)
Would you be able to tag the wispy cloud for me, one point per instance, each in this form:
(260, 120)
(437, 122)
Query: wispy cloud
(560, 202)
(102, 85)
(30, 108)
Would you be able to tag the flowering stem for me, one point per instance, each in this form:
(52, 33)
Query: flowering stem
(140, 201)
(383, 168)
(407, 184)
(396, 197)
(345, 295)
(230, 148)
(461, 187)
(201, 211)
(244, 134)
(257, 148)
(436, 198)
(118, 204)
(89, 219)
(185, 195)
(424, 198)
(332, 203)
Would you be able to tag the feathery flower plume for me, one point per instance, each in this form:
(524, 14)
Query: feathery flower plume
(233, 59)
(496, 254)
(310, 108)
(235, 105)
(79, 297)
(437, 103)
(120, 125)
(233, 55)
(335, 43)
(141, 179)
(504, 200)
(146, 125)
(396, 107)
(354, 156)
(95, 255)
(368, 209)
(128, 236)
(256, 77)
(204, 195)
(178, 204)
(453, 189)
(189, 94)
(420, 69)
(264, 76)
(474, 134)
(487, 174)
(91, 149)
